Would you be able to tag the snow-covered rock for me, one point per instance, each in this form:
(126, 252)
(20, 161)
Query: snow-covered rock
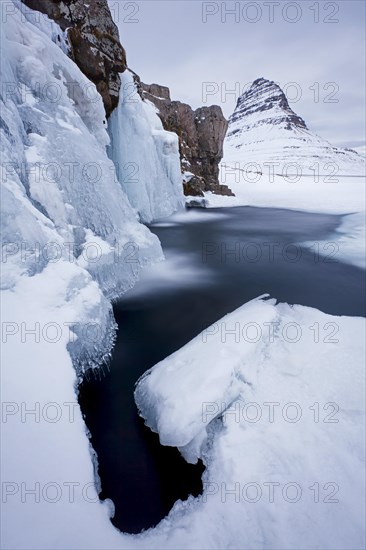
(266, 136)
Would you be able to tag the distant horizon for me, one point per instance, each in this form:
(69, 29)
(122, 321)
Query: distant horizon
(191, 44)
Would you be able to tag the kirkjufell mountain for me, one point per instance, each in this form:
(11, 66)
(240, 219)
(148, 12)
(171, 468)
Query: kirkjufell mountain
(264, 129)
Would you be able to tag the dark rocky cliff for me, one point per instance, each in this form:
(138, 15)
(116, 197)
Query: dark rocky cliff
(94, 42)
(201, 136)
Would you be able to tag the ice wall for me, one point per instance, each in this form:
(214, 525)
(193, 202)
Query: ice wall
(59, 184)
(146, 156)
(61, 199)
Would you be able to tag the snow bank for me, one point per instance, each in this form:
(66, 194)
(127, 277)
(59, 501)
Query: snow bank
(215, 370)
(49, 497)
(272, 398)
(146, 155)
(351, 239)
(344, 195)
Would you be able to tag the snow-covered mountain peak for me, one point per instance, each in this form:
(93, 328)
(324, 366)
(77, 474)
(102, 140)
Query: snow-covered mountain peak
(264, 130)
(266, 103)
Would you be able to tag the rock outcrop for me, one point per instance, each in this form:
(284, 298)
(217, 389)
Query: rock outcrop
(266, 101)
(201, 136)
(94, 42)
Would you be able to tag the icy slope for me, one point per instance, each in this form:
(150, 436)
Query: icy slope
(264, 129)
(146, 155)
(59, 186)
(70, 241)
(272, 397)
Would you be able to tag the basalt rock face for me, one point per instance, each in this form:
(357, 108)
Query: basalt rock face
(94, 42)
(201, 136)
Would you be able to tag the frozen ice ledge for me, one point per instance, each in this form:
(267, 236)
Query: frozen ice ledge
(62, 199)
(253, 395)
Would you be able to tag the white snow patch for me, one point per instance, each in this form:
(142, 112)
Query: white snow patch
(214, 397)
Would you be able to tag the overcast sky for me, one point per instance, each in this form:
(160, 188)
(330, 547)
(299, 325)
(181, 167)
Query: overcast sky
(319, 57)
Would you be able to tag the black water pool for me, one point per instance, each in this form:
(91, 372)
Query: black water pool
(217, 260)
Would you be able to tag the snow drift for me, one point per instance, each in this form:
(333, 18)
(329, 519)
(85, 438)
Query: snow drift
(272, 398)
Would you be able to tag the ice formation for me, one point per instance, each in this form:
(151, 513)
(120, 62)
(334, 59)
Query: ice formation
(146, 156)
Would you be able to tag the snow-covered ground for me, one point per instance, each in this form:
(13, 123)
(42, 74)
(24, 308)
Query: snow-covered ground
(272, 397)
(345, 195)
(269, 482)
(47, 451)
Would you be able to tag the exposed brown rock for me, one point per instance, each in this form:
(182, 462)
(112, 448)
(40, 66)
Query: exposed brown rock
(194, 186)
(94, 42)
(160, 92)
(201, 136)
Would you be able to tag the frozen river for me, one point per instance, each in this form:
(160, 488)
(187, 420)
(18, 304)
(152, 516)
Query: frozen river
(217, 260)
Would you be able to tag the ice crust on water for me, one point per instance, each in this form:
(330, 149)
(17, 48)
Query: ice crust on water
(146, 156)
(210, 398)
(164, 394)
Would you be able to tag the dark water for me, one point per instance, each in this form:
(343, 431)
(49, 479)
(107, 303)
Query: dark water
(199, 283)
